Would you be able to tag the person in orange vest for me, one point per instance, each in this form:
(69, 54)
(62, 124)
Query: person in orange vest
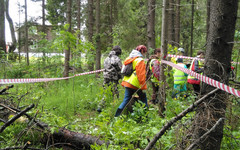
(136, 82)
(196, 66)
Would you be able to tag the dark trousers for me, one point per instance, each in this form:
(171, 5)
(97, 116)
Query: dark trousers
(196, 88)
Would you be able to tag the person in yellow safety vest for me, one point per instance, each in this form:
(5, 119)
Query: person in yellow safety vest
(136, 82)
(196, 66)
(180, 79)
(153, 72)
(180, 52)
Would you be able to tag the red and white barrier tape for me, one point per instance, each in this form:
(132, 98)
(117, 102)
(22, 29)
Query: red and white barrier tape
(186, 57)
(34, 80)
(80, 74)
(205, 79)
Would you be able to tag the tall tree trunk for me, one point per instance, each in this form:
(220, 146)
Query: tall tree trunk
(79, 14)
(223, 17)
(208, 17)
(177, 23)
(171, 23)
(43, 24)
(98, 42)
(2, 28)
(164, 47)
(151, 24)
(26, 34)
(191, 48)
(67, 52)
(14, 41)
(111, 23)
(90, 29)
(19, 34)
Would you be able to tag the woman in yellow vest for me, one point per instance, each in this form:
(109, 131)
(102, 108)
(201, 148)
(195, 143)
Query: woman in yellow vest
(136, 82)
(180, 79)
(196, 66)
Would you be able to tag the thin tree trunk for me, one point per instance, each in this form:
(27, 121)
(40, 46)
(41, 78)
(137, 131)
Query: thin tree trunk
(79, 28)
(19, 34)
(26, 34)
(208, 17)
(111, 23)
(43, 24)
(90, 29)
(177, 23)
(217, 65)
(171, 23)
(14, 41)
(67, 52)
(191, 48)
(98, 42)
(2, 27)
(164, 46)
(151, 24)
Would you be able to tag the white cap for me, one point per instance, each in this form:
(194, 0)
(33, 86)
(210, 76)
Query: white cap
(181, 50)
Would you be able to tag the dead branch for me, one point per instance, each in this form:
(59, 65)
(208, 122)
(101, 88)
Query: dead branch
(206, 134)
(15, 110)
(18, 147)
(8, 108)
(9, 122)
(175, 119)
(5, 89)
(2, 120)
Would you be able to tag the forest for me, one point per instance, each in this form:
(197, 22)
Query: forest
(52, 80)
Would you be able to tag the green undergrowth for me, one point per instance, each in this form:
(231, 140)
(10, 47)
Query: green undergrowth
(72, 104)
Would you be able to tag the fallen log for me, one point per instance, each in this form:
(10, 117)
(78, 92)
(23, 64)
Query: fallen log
(76, 140)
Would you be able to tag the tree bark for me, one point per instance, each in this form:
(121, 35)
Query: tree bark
(79, 15)
(90, 29)
(67, 52)
(151, 24)
(171, 23)
(26, 34)
(191, 46)
(217, 66)
(98, 39)
(14, 41)
(2, 28)
(208, 18)
(164, 46)
(177, 23)
(76, 140)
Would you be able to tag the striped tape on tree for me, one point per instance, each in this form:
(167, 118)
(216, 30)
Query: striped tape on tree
(205, 79)
(34, 80)
(187, 57)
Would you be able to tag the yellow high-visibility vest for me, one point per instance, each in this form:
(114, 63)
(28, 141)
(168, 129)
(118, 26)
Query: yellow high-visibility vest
(133, 78)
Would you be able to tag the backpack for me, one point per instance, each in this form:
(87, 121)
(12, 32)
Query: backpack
(127, 70)
(148, 71)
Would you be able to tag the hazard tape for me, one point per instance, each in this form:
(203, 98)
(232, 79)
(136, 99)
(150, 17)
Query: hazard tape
(34, 80)
(205, 79)
(187, 57)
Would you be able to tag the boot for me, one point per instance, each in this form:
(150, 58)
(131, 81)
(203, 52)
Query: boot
(118, 112)
(99, 110)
